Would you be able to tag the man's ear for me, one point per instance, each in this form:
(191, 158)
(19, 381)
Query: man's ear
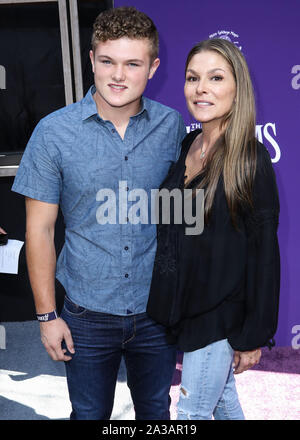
(154, 67)
(92, 60)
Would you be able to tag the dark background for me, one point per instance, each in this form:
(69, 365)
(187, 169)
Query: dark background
(30, 51)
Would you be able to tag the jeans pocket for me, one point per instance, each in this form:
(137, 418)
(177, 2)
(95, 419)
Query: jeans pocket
(73, 309)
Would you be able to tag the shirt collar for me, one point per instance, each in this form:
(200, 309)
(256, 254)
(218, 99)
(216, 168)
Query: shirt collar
(89, 107)
(144, 107)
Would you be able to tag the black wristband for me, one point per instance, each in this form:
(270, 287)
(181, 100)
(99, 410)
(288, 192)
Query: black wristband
(45, 317)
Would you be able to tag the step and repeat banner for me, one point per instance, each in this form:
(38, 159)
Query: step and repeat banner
(268, 35)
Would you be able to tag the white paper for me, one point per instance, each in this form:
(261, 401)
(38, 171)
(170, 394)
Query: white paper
(9, 256)
(2, 337)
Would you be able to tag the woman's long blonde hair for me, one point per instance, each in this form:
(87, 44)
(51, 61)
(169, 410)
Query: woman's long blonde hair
(234, 154)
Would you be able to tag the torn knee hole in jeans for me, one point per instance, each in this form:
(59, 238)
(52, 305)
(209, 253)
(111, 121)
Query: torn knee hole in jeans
(184, 392)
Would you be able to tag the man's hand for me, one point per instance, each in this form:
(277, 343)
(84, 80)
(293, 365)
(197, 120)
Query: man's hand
(52, 334)
(243, 360)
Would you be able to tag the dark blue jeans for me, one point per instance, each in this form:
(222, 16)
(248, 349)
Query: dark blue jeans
(100, 341)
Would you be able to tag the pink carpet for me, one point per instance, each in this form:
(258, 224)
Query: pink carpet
(269, 391)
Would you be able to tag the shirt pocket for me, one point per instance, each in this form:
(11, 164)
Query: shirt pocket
(78, 195)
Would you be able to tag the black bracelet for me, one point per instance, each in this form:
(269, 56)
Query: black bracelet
(45, 317)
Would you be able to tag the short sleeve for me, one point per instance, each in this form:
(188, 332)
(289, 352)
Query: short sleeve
(38, 176)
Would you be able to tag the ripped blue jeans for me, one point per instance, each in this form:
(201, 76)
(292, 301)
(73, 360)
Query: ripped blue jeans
(208, 385)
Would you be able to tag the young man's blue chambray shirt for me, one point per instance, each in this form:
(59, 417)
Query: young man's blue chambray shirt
(71, 155)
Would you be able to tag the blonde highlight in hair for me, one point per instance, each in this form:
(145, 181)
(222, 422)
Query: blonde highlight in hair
(234, 154)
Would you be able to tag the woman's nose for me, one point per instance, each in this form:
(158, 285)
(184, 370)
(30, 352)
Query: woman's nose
(201, 86)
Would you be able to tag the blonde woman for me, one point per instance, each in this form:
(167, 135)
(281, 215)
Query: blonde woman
(217, 292)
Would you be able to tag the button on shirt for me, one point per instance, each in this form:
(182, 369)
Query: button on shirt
(77, 160)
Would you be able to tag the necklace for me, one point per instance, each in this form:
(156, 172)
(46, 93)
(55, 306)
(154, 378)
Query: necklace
(202, 152)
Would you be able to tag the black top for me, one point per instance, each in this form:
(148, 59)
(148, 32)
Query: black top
(222, 283)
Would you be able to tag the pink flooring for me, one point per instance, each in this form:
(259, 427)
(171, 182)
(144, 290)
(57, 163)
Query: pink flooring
(270, 391)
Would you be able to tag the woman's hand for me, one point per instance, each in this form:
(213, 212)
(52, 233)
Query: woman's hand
(243, 360)
(2, 231)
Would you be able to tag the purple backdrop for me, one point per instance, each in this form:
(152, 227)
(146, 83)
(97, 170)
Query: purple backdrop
(268, 34)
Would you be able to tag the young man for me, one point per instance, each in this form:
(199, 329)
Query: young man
(114, 138)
